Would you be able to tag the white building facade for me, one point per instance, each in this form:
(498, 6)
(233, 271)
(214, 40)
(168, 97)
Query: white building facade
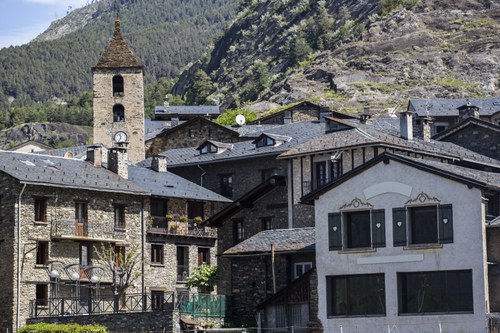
(401, 247)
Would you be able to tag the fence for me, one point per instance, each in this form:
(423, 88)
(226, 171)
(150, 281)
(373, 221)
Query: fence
(200, 305)
(72, 306)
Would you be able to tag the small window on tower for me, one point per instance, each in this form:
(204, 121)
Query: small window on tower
(118, 113)
(117, 85)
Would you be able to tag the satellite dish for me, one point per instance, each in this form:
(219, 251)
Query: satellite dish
(240, 119)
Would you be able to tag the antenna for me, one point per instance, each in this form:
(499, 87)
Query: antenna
(240, 119)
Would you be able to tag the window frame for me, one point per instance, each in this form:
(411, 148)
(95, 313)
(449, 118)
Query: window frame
(157, 255)
(302, 264)
(182, 255)
(40, 209)
(348, 220)
(118, 86)
(42, 253)
(157, 299)
(118, 113)
(238, 231)
(417, 224)
(331, 310)
(42, 294)
(209, 149)
(450, 278)
(119, 216)
(226, 185)
(202, 253)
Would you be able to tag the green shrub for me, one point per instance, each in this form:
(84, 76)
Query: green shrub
(66, 328)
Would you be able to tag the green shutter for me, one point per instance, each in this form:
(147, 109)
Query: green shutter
(335, 231)
(399, 226)
(445, 224)
(378, 228)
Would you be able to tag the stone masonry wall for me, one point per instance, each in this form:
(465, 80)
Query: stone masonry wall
(9, 191)
(133, 102)
(60, 225)
(189, 136)
(479, 139)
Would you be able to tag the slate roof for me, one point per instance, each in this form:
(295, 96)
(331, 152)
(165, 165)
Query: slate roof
(368, 135)
(167, 184)
(300, 132)
(79, 152)
(448, 107)
(154, 127)
(118, 54)
(47, 170)
(252, 131)
(284, 240)
(189, 109)
(472, 177)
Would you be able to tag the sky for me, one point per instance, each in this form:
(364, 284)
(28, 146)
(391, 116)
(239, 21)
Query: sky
(23, 20)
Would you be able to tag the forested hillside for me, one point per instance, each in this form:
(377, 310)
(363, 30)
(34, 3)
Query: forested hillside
(165, 34)
(350, 54)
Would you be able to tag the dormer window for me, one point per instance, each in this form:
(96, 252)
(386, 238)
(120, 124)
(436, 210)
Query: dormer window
(214, 147)
(208, 149)
(265, 141)
(117, 85)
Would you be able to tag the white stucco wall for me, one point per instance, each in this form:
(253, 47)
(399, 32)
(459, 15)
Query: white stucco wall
(388, 186)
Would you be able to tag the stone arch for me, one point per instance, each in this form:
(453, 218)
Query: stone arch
(118, 113)
(118, 86)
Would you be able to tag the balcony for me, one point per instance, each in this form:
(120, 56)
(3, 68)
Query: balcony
(69, 230)
(160, 226)
(309, 186)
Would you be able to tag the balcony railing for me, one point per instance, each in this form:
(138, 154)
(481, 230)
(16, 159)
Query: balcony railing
(191, 229)
(72, 306)
(309, 186)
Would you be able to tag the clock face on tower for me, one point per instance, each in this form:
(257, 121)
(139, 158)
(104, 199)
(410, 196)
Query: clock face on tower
(120, 137)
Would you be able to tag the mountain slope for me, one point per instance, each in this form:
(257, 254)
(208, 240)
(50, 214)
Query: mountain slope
(356, 53)
(165, 34)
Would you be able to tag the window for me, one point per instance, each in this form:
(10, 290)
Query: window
(435, 292)
(42, 294)
(85, 255)
(119, 216)
(239, 231)
(203, 256)
(118, 113)
(326, 171)
(266, 223)
(157, 254)
(159, 207)
(208, 148)
(117, 85)
(346, 297)
(81, 214)
(265, 141)
(194, 209)
(267, 173)
(157, 297)
(356, 229)
(42, 253)
(119, 255)
(420, 225)
(182, 263)
(226, 185)
(300, 268)
(41, 209)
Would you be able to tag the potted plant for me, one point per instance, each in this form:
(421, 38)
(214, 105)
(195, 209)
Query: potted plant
(183, 218)
(173, 228)
(197, 219)
(169, 217)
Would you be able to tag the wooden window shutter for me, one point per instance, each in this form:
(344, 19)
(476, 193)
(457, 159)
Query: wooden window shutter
(445, 224)
(378, 228)
(335, 231)
(399, 226)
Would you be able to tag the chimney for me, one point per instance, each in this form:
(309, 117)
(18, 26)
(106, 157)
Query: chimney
(467, 110)
(406, 125)
(94, 155)
(159, 163)
(118, 160)
(426, 128)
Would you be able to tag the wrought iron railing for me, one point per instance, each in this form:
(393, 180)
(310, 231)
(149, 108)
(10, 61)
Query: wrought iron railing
(74, 306)
(192, 230)
(309, 186)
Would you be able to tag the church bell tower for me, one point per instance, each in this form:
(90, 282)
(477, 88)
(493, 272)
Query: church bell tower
(118, 81)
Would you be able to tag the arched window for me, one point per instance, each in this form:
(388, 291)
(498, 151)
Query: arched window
(117, 85)
(118, 113)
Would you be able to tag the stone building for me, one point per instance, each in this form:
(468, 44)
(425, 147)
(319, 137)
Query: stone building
(118, 102)
(446, 113)
(56, 213)
(480, 136)
(190, 133)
